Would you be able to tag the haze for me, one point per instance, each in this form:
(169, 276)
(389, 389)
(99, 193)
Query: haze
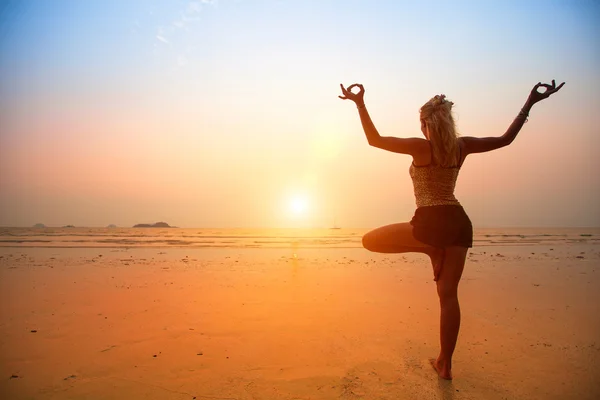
(225, 113)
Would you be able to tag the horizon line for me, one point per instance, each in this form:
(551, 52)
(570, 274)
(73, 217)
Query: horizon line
(283, 227)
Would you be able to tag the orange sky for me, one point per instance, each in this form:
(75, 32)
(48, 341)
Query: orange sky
(223, 114)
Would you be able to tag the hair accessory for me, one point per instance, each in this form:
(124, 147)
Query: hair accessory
(441, 99)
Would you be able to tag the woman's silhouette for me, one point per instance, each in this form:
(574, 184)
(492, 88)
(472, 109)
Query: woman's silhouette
(440, 227)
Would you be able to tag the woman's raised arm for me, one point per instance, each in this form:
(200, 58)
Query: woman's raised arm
(410, 146)
(481, 145)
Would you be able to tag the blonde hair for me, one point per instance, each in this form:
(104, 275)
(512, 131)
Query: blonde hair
(437, 114)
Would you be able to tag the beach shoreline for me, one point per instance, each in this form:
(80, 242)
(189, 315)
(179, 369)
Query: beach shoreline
(288, 323)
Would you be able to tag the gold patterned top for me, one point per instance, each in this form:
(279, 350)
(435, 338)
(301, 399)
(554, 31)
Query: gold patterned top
(434, 185)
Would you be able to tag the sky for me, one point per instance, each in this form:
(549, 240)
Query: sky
(225, 113)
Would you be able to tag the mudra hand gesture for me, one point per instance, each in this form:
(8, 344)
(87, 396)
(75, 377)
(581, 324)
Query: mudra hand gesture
(357, 98)
(536, 96)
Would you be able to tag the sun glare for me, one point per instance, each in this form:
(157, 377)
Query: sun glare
(298, 205)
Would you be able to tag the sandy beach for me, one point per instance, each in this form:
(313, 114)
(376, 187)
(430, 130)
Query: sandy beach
(309, 323)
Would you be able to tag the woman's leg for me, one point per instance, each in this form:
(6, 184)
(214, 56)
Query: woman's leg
(398, 238)
(447, 288)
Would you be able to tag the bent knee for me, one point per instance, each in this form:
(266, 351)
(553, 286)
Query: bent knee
(368, 242)
(372, 242)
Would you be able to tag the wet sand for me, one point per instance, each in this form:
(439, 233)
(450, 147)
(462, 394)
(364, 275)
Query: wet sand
(102, 323)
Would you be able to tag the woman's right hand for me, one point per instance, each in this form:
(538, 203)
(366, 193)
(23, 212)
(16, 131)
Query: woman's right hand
(536, 96)
(357, 98)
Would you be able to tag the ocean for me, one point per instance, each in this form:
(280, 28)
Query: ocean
(79, 237)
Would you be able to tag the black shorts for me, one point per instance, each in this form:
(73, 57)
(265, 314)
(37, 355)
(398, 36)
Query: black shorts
(442, 226)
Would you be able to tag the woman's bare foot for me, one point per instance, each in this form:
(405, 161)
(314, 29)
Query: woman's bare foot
(437, 260)
(442, 370)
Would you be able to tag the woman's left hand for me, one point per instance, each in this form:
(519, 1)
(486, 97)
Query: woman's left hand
(357, 98)
(536, 96)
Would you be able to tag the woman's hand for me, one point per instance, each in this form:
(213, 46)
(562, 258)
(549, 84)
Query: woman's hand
(536, 96)
(357, 98)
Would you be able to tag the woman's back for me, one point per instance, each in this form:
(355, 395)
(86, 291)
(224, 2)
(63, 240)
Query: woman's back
(434, 184)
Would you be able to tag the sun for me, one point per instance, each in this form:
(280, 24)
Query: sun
(298, 205)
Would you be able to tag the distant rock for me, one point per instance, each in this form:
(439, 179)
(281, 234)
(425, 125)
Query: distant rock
(69, 226)
(111, 226)
(155, 225)
(39, 226)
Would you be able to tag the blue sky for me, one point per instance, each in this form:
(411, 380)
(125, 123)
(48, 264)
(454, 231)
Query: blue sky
(223, 92)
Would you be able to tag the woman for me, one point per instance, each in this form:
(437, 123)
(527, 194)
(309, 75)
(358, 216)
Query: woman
(440, 227)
